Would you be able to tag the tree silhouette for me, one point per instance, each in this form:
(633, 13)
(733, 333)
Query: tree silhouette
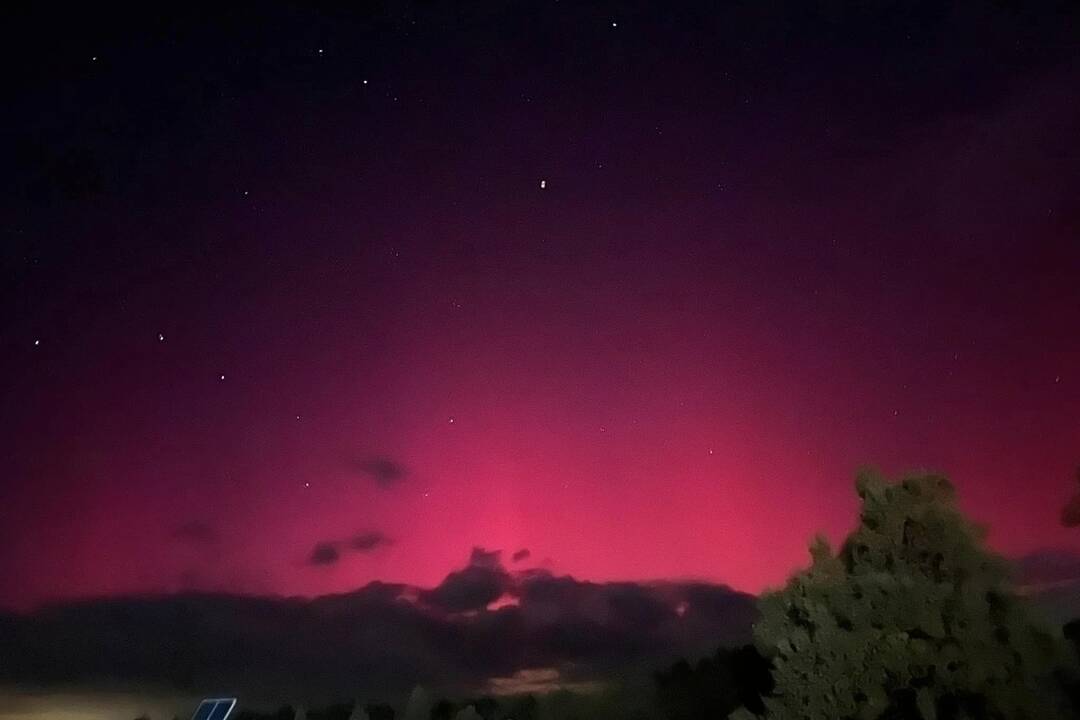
(419, 705)
(285, 712)
(522, 707)
(443, 710)
(379, 711)
(486, 707)
(715, 686)
(913, 620)
(338, 711)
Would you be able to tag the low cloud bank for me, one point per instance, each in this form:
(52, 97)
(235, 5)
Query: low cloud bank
(382, 638)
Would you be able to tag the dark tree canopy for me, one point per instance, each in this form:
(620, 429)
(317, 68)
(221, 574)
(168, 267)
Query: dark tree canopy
(285, 712)
(714, 686)
(913, 619)
(379, 711)
(337, 711)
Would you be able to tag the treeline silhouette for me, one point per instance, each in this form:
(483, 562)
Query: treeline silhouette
(517, 707)
(709, 689)
(714, 686)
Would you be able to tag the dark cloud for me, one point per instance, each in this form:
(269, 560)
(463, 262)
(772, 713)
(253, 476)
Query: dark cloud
(480, 583)
(479, 557)
(328, 552)
(368, 541)
(522, 554)
(325, 553)
(382, 638)
(1047, 566)
(383, 470)
(196, 531)
(631, 605)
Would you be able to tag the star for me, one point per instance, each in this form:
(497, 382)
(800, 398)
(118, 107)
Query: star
(365, 82)
(1057, 379)
(160, 337)
(543, 184)
(221, 377)
(614, 24)
(320, 51)
(451, 420)
(37, 343)
(307, 484)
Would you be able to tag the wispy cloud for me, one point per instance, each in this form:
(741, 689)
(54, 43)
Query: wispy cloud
(325, 553)
(383, 470)
(329, 552)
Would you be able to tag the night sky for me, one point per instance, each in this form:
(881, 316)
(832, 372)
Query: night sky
(300, 296)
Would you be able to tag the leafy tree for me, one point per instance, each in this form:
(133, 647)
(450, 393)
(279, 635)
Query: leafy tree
(912, 620)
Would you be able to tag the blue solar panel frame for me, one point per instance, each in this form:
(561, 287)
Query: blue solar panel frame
(214, 709)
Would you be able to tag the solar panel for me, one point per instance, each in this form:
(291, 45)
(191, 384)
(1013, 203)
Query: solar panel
(214, 709)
